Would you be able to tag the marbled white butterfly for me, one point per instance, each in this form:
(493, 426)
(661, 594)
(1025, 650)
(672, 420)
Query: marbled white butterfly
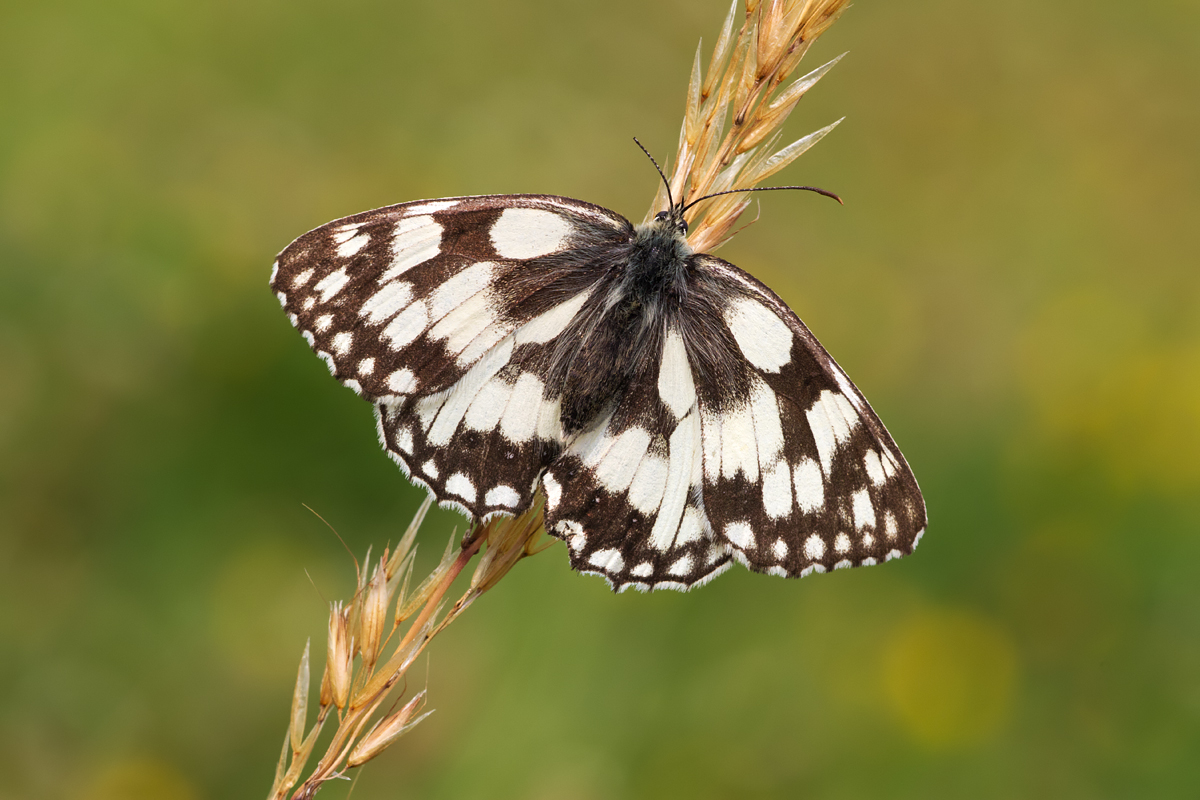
(675, 412)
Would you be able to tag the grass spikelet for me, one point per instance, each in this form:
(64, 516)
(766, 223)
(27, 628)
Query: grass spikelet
(735, 109)
(367, 659)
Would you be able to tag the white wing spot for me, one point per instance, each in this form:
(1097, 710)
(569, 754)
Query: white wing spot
(308, 303)
(404, 439)
(573, 531)
(522, 233)
(681, 567)
(739, 450)
(331, 284)
(553, 491)
(619, 457)
(432, 207)
(682, 467)
(741, 534)
(405, 328)
(549, 324)
(415, 241)
(814, 547)
(874, 467)
(711, 441)
(488, 406)
(458, 398)
(889, 464)
(457, 289)
(302, 278)
(502, 496)
(777, 490)
(780, 549)
(608, 560)
(464, 325)
(430, 469)
(890, 528)
(764, 338)
(691, 529)
(675, 385)
(768, 430)
(642, 570)
(831, 420)
(549, 423)
(867, 541)
(646, 490)
(386, 302)
(864, 512)
(810, 486)
(342, 342)
(402, 381)
(461, 485)
(521, 415)
(841, 543)
(322, 323)
(352, 246)
(366, 366)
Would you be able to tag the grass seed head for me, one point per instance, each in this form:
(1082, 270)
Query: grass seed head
(374, 615)
(340, 654)
(734, 111)
(387, 731)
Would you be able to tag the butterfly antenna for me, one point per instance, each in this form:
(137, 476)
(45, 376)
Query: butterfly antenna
(762, 189)
(666, 183)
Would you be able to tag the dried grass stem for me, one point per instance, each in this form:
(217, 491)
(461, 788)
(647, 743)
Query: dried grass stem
(356, 633)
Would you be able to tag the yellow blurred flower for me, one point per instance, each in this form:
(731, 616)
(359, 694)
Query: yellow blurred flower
(949, 676)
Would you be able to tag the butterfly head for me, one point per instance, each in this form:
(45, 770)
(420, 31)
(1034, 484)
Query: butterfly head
(672, 221)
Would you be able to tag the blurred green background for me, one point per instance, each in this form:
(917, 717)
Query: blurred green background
(1013, 282)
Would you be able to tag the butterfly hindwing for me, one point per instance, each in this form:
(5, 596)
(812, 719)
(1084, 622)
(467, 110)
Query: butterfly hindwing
(625, 494)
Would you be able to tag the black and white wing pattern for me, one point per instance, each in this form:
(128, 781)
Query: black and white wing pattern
(799, 473)
(446, 315)
(676, 414)
(739, 439)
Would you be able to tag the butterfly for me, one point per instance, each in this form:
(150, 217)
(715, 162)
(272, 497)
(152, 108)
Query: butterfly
(676, 414)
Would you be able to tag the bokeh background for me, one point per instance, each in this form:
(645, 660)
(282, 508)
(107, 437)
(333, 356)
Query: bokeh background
(1013, 282)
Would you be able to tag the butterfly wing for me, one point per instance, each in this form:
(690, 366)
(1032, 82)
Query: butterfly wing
(800, 475)
(446, 314)
(732, 434)
(626, 492)
(738, 438)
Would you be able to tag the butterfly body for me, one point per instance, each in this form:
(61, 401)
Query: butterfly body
(676, 414)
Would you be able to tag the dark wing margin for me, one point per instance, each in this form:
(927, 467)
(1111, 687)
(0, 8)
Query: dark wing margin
(443, 313)
(799, 473)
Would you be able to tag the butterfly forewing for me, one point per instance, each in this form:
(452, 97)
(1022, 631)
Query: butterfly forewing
(799, 473)
(446, 314)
